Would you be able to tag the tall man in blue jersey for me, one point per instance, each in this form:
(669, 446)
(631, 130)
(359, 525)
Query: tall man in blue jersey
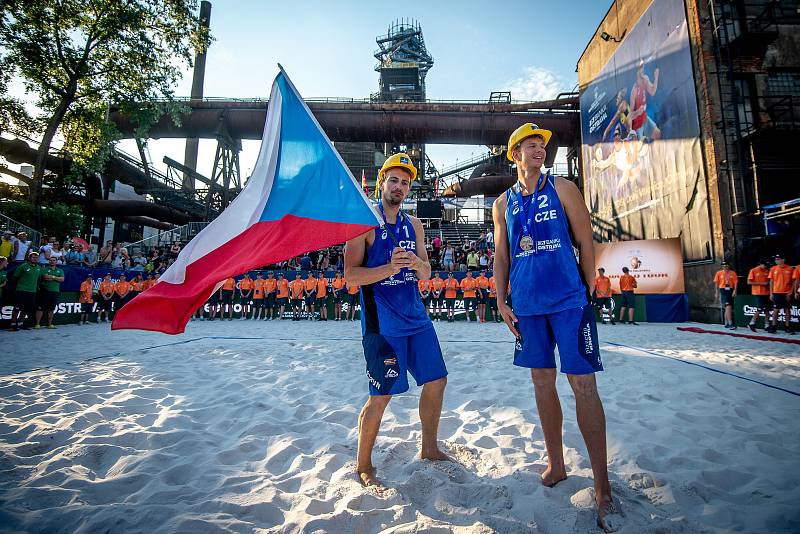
(533, 222)
(398, 334)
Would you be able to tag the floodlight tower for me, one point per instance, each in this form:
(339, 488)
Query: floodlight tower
(403, 63)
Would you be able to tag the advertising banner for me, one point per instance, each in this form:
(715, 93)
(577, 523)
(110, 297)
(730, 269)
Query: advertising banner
(656, 264)
(641, 149)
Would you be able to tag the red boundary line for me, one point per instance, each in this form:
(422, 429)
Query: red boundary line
(748, 336)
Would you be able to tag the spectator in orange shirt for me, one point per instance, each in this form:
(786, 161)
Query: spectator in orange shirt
(468, 285)
(137, 286)
(337, 288)
(259, 286)
(492, 300)
(246, 295)
(85, 298)
(322, 296)
(228, 288)
(424, 288)
(271, 296)
(298, 288)
(450, 292)
(758, 279)
(796, 282)
(437, 295)
(726, 280)
(106, 291)
(353, 298)
(310, 293)
(627, 284)
(482, 295)
(780, 292)
(282, 288)
(602, 295)
(121, 290)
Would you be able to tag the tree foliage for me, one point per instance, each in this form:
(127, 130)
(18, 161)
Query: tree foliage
(77, 58)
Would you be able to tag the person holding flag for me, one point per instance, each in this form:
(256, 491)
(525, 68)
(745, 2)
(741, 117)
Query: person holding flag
(536, 222)
(398, 334)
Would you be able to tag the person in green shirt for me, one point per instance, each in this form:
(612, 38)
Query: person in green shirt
(52, 277)
(27, 279)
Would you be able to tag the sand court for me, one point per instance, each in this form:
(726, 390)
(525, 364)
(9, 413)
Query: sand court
(244, 426)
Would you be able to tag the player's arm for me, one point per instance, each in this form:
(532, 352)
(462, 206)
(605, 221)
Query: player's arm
(653, 87)
(358, 275)
(502, 262)
(581, 225)
(419, 261)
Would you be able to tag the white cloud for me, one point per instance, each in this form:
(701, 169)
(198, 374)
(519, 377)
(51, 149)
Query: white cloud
(537, 84)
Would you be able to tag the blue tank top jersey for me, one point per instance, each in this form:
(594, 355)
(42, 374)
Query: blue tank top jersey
(545, 277)
(392, 307)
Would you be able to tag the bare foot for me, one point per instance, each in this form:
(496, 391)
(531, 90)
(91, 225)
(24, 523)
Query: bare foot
(435, 455)
(609, 514)
(368, 479)
(552, 476)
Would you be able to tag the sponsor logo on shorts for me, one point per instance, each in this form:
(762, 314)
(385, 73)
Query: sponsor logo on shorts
(390, 361)
(588, 344)
(518, 344)
(391, 373)
(373, 381)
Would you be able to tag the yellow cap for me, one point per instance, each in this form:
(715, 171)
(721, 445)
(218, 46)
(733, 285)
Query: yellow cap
(401, 161)
(523, 132)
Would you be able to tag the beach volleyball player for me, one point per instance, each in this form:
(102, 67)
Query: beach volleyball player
(534, 221)
(398, 336)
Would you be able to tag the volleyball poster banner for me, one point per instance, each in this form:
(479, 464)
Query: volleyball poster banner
(641, 148)
(657, 264)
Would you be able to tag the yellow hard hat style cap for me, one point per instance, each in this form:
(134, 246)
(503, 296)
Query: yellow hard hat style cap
(523, 132)
(396, 161)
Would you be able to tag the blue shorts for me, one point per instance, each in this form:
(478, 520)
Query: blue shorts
(574, 331)
(390, 358)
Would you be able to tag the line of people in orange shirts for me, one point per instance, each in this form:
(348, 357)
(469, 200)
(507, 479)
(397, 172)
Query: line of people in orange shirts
(439, 296)
(270, 298)
(110, 296)
(773, 287)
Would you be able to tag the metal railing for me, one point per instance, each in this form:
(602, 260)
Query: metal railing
(182, 234)
(7, 224)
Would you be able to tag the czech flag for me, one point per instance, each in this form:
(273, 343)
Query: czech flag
(300, 197)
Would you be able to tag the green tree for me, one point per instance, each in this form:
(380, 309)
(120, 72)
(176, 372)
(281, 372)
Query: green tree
(77, 57)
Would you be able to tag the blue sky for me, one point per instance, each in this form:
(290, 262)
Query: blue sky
(528, 47)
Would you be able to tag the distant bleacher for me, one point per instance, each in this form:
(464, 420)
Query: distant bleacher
(458, 233)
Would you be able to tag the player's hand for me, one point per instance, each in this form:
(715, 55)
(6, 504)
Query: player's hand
(400, 260)
(508, 316)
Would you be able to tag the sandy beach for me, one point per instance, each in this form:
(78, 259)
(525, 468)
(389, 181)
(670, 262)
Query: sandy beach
(249, 426)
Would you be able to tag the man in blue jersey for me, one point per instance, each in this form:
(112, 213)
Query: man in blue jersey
(534, 221)
(398, 334)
